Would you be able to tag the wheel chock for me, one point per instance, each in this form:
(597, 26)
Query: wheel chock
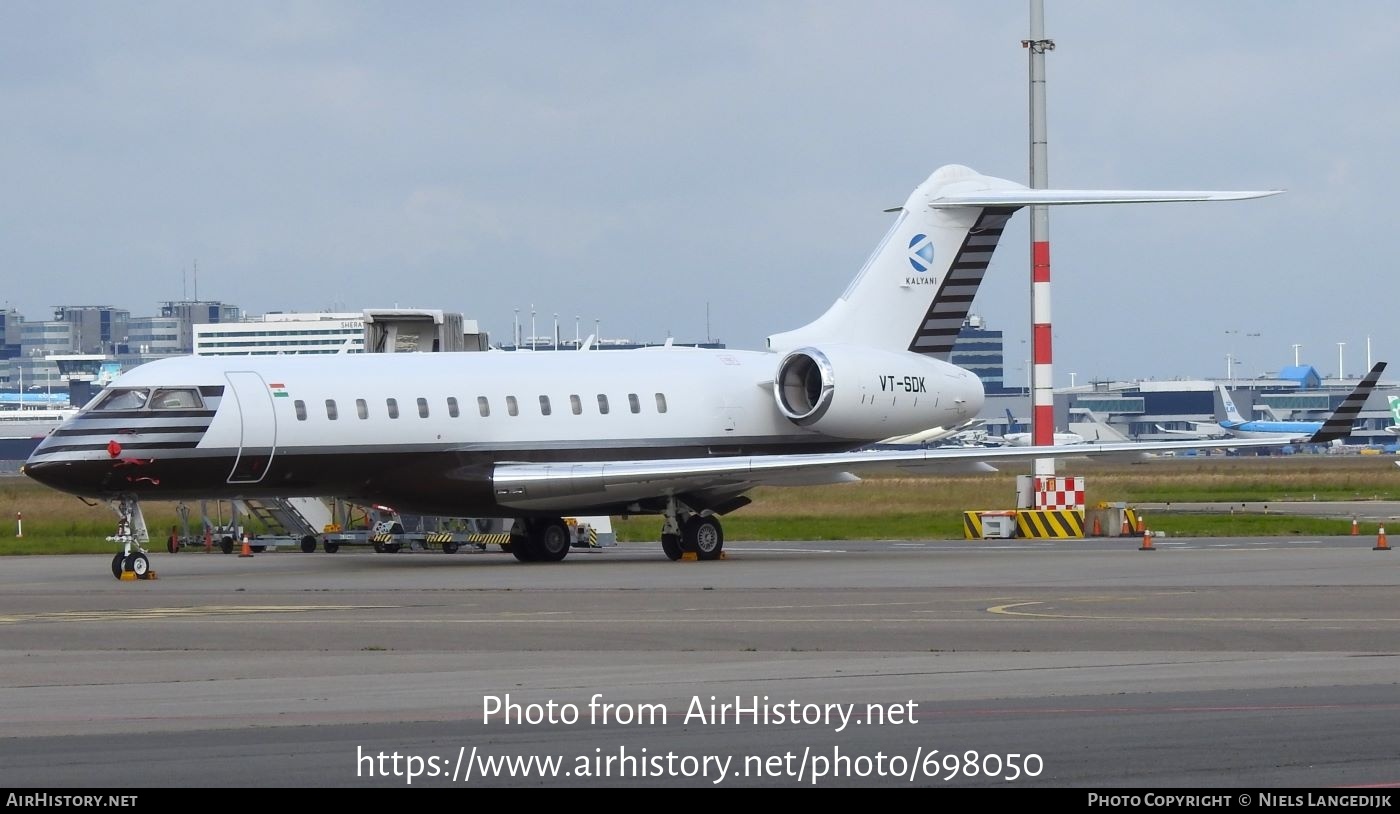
(689, 556)
(723, 555)
(150, 575)
(128, 576)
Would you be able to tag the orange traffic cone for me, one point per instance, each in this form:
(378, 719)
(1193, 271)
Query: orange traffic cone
(1381, 544)
(1354, 529)
(247, 547)
(1146, 541)
(1098, 528)
(1142, 524)
(1125, 531)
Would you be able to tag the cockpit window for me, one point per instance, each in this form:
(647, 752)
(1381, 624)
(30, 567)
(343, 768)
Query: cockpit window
(123, 398)
(184, 398)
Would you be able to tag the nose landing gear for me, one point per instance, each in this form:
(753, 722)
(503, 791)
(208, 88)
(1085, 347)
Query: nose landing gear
(131, 562)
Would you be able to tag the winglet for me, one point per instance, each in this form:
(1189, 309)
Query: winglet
(1339, 424)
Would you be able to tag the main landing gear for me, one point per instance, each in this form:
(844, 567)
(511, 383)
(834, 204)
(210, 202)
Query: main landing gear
(132, 561)
(687, 532)
(540, 539)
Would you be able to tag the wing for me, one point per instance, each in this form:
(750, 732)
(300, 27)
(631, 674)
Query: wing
(616, 485)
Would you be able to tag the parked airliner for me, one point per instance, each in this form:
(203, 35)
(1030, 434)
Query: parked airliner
(679, 432)
(1236, 425)
(1016, 437)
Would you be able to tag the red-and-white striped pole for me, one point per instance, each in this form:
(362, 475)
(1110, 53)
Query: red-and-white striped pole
(19, 525)
(1042, 375)
(1043, 392)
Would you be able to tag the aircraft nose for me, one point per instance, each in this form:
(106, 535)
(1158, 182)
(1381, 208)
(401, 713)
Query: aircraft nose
(65, 476)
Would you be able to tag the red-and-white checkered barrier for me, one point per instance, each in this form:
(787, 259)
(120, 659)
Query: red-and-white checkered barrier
(1059, 493)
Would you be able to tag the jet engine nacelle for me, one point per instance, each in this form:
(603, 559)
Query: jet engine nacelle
(854, 392)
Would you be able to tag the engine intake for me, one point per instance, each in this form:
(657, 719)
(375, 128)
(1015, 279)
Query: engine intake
(805, 385)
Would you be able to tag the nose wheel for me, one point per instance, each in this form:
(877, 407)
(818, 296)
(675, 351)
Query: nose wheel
(132, 561)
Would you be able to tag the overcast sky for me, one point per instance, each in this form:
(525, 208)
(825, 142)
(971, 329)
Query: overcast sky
(630, 162)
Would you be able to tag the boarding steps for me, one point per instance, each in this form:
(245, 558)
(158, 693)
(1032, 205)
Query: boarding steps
(292, 516)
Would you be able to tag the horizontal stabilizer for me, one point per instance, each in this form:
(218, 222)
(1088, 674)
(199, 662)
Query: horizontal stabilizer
(1066, 197)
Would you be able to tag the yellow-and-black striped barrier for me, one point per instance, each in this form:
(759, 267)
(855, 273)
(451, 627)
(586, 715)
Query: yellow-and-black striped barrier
(489, 539)
(1050, 524)
(972, 525)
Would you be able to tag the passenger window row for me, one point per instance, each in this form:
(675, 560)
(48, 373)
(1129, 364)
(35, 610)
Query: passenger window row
(483, 406)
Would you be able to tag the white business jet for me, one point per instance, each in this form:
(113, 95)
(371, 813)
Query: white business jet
(682, 433)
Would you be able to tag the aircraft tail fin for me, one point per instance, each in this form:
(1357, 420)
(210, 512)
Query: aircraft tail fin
(1231, 412)
(917, 287)
(1097, 430)
(1340, 423)
(1012, 425)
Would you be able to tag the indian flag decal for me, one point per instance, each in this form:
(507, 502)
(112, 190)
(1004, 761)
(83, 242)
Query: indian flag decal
(278, 390)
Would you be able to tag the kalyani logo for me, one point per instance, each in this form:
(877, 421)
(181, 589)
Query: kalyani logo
(921, 258)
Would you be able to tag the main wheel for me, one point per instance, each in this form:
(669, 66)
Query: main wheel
(449, 547)
(331, 547)
(521, 549)
(138, 565)
(704, 536)
(550, 540)
(308, 544)
(671, 544)
(379, 548)
(117, 564)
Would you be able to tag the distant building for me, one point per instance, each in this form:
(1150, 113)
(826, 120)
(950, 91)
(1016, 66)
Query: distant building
(10, 322)
(981, 350)
(95, 328)
(283, 333)
(198, 312)
(40, 339)
(154, 336)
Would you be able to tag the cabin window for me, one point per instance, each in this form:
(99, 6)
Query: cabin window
(124, 398)
(511, 406)
(361, 408)
(544, 405)
(452, 407)
(300, 407)
(660, 402)
(576, 404)
(422, 408)
(483, 406)
(393, 405)
(602, 403)
(634, 403)
(181, 399)
(330, 410)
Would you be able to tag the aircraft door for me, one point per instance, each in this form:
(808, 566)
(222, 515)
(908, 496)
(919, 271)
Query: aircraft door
(259, 427)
